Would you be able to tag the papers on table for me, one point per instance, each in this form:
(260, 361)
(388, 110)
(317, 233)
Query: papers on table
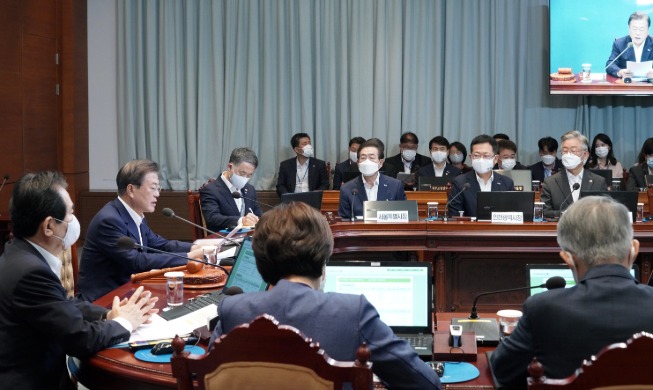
(639, 69)
(162, 329)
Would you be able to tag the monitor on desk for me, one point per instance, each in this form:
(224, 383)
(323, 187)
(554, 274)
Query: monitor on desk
(627, 198)
(504, 201)
(537, 274)
(604, 173)
(522, 178)
(311, 198)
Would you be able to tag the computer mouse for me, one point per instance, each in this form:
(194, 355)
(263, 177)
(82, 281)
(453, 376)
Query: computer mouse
(438, 367)
(162, 348)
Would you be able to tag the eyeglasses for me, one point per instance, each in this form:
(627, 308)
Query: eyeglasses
(572, 150)
(641, 29)
(478, 156)
(156, 188)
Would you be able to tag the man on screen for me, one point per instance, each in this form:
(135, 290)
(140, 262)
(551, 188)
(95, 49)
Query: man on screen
(641, 50)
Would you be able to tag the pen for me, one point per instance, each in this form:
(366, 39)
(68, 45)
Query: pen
(251, 211)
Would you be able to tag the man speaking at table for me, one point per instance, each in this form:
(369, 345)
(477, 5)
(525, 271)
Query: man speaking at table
(292, 244)
(105, 265)
(39, 325)
(637, 46)
(562, 327)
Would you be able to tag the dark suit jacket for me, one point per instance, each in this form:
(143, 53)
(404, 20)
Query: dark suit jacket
(467, 200)
(537, 169)
(555, 191)
(39, 325)
(429, 171)
(104, 266)
(219, 206)
(313, 313)
(619, 45)
(317, 176)
(345, 166)
(389, 189)
(637, 177)
(564, 326)
(393, 165)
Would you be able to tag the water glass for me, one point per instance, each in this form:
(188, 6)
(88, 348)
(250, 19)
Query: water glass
(538, 212)
(587, 68)
(508, 320)
(174, 288)
(432, 211)
(210, 254)
(536, 185)
(640, 212)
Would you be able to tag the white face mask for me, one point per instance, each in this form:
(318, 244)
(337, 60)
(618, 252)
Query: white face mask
(439, 156)
(508, 163)
(482, 165)
(570, 160)
(72, 234)
(649, 162)
(408, 154)
(456, 158)
(238, 181)
(368, 168)
(548, 159)
(308, 151)
(602, 151)
(353, 156)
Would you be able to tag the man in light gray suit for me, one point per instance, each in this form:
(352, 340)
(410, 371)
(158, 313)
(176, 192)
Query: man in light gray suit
(562, 189)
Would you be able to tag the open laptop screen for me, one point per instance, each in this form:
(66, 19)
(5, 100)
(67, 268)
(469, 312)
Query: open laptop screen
(244, 273)
(522, 178)
(537, 274)
(400, 291)
(312, 198)
(627, 198)
(497, 201)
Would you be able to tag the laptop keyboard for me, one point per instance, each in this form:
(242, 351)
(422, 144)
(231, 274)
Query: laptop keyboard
(193, 305)
(418, 342)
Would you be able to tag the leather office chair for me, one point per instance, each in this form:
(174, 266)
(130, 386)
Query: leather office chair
(69, 269)
(649, 192)
(624, 366)
(195, 211)
(264, 354)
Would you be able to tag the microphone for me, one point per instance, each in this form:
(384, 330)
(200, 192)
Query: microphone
(238, 195)
(630, 44)
(233, 290)
(4, 180)
(354, 192)
(575, 187)
(551, 284)
(171, 214)
(127, 243)
(446, 206)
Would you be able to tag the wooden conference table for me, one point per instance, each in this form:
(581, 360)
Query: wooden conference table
(116, 368)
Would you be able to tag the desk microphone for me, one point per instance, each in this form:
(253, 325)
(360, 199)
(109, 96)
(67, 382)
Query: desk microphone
(551, 284)
(630, 44)
(4, 180)
(354, 192)
(575, 187)
(127, 243)
(446, 206)
(238, 195)
(171, 214)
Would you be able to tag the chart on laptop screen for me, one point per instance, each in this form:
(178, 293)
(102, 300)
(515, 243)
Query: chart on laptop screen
(399, 293)
(539, 273)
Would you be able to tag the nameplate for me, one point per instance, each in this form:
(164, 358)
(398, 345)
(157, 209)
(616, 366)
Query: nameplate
(438, 188)
(507, 217)
(392, 216)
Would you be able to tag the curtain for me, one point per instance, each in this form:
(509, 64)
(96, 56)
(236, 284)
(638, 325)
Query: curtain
(197, 78)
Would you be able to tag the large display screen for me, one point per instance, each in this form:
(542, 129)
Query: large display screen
(583, 32)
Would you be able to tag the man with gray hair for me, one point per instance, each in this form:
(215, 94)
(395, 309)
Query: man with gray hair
(562, 189)
(564, 326)
(219, 207)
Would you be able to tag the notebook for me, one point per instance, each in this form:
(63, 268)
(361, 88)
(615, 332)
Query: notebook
(604, 173)
(400, 291)
(537, 274)
(627, 198)
(497, 201)
(244, 274)
(312, 198)
(522, 178)
(371, 208)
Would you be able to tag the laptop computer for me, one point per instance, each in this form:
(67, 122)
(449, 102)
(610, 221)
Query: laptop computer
(522, 177)
(244, 274)
(605, 173)
(507, 201)
(312, 198)
(627, 198)
(432, 183)
(400, 291)
(372, 207)
(537, 274)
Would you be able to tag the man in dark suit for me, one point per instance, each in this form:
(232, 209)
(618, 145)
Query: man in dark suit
(550, 163)
(219, 207)
(484, 155)
(557, 191)
(641, 46)
(439, 147)
(507, 156)
(563, 327)
(348, 165)
(104, 265)
(408, 160)
(39, 324)
(292, 244)
(303, 173)
(371, 185)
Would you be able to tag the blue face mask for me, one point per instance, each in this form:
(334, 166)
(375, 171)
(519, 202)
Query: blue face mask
(649, 161)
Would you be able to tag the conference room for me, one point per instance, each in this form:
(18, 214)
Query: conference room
(91, 85)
